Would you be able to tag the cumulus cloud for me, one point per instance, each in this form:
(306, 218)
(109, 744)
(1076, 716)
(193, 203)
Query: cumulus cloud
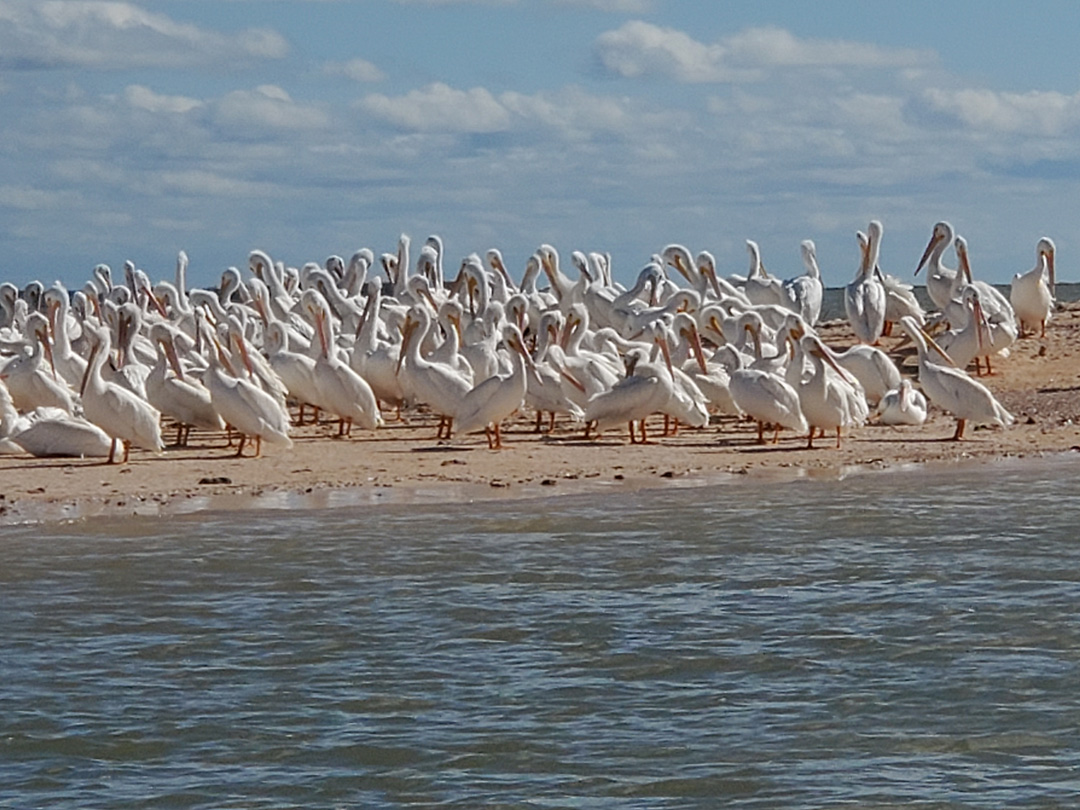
(1044, 113)
(638, 48)
(439, 107)
(36, 34)
(359, 70)
(144, 98)
(267, 107)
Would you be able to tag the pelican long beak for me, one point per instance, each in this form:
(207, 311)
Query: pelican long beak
(677, 263)
(241, 344)
(823, 352)
(933, 344)
(710, 273)
(965, 263)
(364, 315)
(661, 341)
(926, 253)
(1050, 269)
(89, 365)
(406, 336)
(695, 346)
(173, 358)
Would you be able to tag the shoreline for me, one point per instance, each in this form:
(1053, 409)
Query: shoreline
(1039, 382)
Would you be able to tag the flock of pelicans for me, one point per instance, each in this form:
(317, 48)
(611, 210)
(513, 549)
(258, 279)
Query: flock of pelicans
(84, 372)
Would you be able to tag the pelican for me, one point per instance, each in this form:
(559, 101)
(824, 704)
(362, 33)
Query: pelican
(122, 414)
(765, 396)
(241, 403)
(761, 288)
(902, 406)
(30, 382)
(803, 293)
(951, 389)
(48, 432)
(939, 278)
(829, 399)
(645, 390)
(1032, 293)
(181, 398)
(486, 404)
(864, 298)
(436, 384)
(339, 389)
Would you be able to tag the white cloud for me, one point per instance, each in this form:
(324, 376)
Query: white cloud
(146, 99)
(113, 35)
(359, 70)
(267, 107)
(638, 48)
(439, 107)
(1034, 113)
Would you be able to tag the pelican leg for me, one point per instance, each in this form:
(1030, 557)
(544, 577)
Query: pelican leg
(760, 432)
(449, 426)
(551, 424)
(240, 449)
(630, 425)
(810, 440)
(539, 420)
(112, 451)
(989, 371)
(588, 429)
(179, 435)
(498, 437)
(838, 437)
(300, 414)
(258, 446)
(776, 434)
(959, 430)
(127, 451)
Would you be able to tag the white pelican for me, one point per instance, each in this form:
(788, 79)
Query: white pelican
(953, 390)
(902, 406)
(339, 389)
(181, 398)
(939, 278)
(996, 306)
(761, 288)
(241, 403)
(803, 294)
(48, 432)
(766, 397)
(373, 359)
(829, 399)
(1032, 293)
(119, 412)
(296, 370)
(487, 403)
(436, 384)
(70, 365)
(864, 297)
(646, 389)
(30, 382)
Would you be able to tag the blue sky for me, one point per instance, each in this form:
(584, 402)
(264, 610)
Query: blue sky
(132, 130)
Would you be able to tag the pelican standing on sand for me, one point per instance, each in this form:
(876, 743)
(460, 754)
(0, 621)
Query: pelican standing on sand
(122, 414)
(492, 400)
(864, 298)
(1032, 293)
(952, 389)
(251, 411)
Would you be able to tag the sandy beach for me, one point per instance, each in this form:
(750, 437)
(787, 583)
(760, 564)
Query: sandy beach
(1038, 382)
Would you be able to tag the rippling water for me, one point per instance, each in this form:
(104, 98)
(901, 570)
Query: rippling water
(884, 640)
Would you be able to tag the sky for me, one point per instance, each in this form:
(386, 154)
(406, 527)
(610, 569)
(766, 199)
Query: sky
(132, 130)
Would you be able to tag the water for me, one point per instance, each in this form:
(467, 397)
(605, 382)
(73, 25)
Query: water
(889, 639)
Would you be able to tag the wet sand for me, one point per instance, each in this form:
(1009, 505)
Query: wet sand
(1039, 382)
